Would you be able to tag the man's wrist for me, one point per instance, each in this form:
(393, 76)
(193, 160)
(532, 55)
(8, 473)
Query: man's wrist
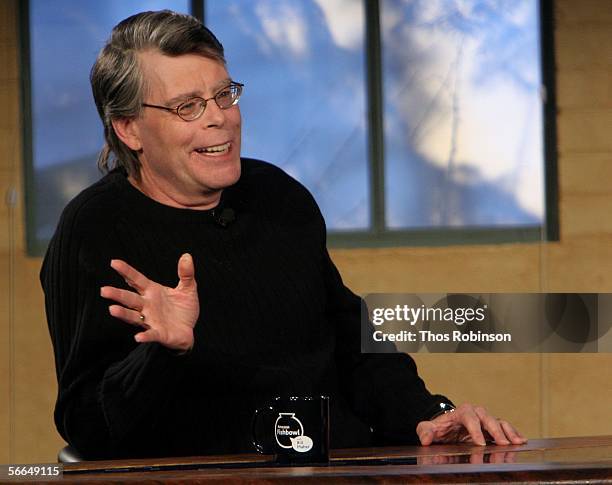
(177, 352)
(439, 409)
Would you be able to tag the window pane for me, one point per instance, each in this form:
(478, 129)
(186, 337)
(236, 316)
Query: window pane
(303, 107)
(463, 113)
(65, 38)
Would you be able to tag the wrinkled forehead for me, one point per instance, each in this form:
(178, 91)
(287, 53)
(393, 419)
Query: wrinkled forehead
(171, 77)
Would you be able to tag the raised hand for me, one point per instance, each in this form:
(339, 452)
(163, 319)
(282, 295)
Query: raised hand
(167, 315)
(468, 424)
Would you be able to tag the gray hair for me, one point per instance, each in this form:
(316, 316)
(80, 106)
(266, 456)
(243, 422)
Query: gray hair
(117, 81)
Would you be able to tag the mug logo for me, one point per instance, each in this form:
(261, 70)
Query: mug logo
(301, 444)
(289, 433)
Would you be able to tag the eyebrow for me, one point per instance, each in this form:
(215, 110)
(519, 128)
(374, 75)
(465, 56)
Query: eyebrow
(197, 94)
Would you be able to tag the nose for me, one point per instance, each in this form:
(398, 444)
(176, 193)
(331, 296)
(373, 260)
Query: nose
(213, 116)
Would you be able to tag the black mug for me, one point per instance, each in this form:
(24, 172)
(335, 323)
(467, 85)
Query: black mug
(295, 429)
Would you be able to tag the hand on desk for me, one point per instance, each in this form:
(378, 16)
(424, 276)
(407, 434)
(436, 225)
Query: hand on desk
(468, 424)
(167, 315)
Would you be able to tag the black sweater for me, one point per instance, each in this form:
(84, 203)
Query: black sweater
(275, 319)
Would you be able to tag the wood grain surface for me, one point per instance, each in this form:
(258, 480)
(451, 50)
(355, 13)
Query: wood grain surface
(558, 460)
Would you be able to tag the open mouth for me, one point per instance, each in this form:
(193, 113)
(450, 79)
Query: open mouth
(215, 149)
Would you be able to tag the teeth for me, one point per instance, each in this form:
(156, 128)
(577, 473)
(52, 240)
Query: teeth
(215, 149)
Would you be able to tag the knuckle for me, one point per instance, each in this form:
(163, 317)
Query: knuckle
(466, 406)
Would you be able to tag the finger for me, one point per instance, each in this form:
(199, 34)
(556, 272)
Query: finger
(491, 424)
(127, 315)
(424, 460)
(476, 458)
(124, 297)
(510, 457)
(150, 335)
(132, 277)
(497, 457)
(186, 272)
(471, 422)
(425, 432)
(513, 435)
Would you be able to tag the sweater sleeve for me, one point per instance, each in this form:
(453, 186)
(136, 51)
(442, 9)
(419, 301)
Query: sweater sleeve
(109, 386)
(384, 390)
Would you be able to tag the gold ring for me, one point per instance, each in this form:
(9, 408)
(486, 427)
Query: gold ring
(142, 317)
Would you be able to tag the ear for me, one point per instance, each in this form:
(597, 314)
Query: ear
(127, 131)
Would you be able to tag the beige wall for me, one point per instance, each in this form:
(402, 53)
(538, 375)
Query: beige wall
(26, 393)
(545, 395)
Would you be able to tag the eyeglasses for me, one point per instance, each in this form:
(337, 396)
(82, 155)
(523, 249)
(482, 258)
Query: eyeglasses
(193, 108)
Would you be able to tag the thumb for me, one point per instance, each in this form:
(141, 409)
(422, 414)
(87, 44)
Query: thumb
(186, 272)
(150, 335)
(425, 432)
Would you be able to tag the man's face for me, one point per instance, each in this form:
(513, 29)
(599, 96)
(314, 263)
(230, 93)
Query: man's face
(179, 166)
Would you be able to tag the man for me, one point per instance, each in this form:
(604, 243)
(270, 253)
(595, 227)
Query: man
(148, 367)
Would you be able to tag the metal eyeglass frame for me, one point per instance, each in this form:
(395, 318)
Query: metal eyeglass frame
(204, 102)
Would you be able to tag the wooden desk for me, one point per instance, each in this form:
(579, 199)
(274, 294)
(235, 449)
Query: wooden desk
(562, 460)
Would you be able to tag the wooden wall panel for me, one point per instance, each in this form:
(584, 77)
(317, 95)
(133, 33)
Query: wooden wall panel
(580, 390)
(9, 137)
